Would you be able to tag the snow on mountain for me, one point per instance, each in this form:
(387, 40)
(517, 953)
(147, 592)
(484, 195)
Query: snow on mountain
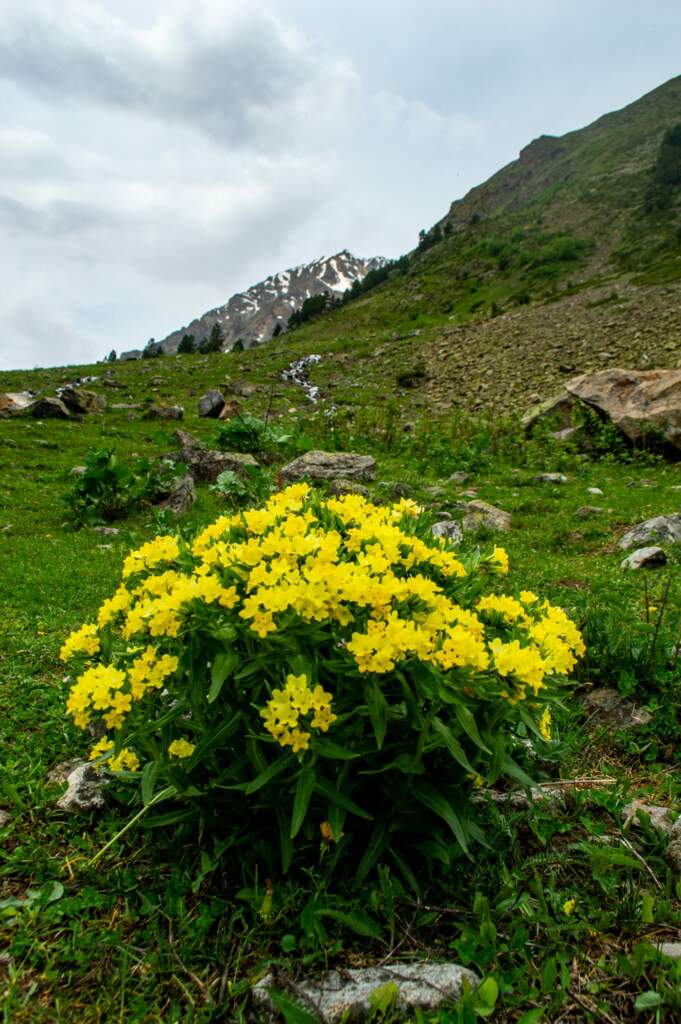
(253, 315)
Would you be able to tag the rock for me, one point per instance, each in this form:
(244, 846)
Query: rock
(205, 465)
(557, 411)
(106, 531)
(77, 470)
(661, 818)
(163, 412)
(50, 409)
(230, 410)
(449, 528)
(551, 478)
(109, 383)
(568, 434)
(181, 498)
(645, 558)
(14, 403)
(338, 997)
(664, 529)
(608, 710)
(638, 402)
(133, 353)
(671, 949)
(673, 852)
(457, 478)
(587, 511)
(84, 790)
(5, 818)
(594, 490)
(211, 404)
(319, 465)
(240, 388)
(480, 514)
(126, 405)
(79, 401)
(520, 799)
(341, 486)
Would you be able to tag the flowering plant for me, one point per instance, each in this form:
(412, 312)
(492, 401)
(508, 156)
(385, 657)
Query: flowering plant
(323, 664)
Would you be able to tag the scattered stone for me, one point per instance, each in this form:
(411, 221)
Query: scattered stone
(182, 496)
(205, 465)
(337, 996)
(78, 401)
(339, 487)
(449, 528)
(674, 848)
(126, 405)
(551, 478)
(663, 529)
(14, 403)
(84, 791)
(50, 409)
(109, 383)
(594, 490)
(480, 514)
(671, 949)
(106, 531)
(660, 817)
(638, 402)
(520, 799)
(318, 465)
(211, 404)
(5, 818)
(608, 710)
(457, 478)
(240, 388)
(230, 410)
(645, 558)
(587, 511)
(77, 470)
(163, 412)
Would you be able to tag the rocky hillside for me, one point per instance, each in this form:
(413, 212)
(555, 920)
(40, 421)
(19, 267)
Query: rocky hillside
(253, 315)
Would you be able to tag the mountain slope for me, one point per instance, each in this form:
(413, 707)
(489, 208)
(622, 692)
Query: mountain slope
(253, 315)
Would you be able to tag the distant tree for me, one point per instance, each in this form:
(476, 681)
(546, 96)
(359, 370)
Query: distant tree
(112, 357)
(313, 307)
(187, 344)
(277, 330)
(214, 341)
(238, 345)
(152, 349)
(665, 174)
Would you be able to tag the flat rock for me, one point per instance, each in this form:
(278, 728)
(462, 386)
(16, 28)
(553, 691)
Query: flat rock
(449, 528)
(318, 465)
(587, 511)
(5, 818)
(211, 404)
(163, 412)
(551, 478)
(107, 531)
(14, 403)
(608, 710)
(663, 529)
(205, 465)
(661, 818)
(480, 514)
(182, 496)
(50, 409)
(337, 997)
(85, 790)
(645, 558)
(80, 401)
(638, 402)
(594, 490)
(671, 949)
(341, 486)
(457, 478)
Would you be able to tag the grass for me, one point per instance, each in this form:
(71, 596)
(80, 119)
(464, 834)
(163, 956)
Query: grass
(162, 929)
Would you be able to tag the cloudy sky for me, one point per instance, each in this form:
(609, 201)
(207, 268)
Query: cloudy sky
(157, 157)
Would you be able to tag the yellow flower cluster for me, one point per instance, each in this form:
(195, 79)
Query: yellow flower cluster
(285, 709)
(82, 641)
(125, 760)
(181, 748)
(112, 690)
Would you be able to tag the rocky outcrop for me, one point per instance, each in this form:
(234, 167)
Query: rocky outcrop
(80, 401)
(15, 403)
(608, 710)
(318, 465)
(663, 529)
(480, 515)
(205, 465)
(211, 404)
(50, 409)
(182, 496)
(641, 403)
(645, 558)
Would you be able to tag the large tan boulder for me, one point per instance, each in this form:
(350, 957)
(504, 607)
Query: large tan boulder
(638, 402)
(14, 403)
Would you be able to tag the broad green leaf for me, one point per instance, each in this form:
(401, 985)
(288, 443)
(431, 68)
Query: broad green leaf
(270, 773)
(223, 666)
(486, 995)
(532, 1016)
(378, 710)
(436, 803)
(468, 724)
(647, 1000)
(285, 844)
(327, 748)
(359, 923)
(292, 1012)
(451, 743)
(304, 789)
(375, 847)
(149, 775)
(332, 794)
(512, 768)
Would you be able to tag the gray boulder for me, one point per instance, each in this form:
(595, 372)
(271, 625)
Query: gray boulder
(638, 402)
(608, 710)
(448, 528)
(80, 401)
(645, 558)
(318, 465)
(481, 515)
(205, 465)
(50, 409)
(345, 996)
(211, 404)
(181, 498)
(85, 790)
(339, 487)
(664, 529)
(661, 818)
(556, 411)
(163, 412)
(587, 511)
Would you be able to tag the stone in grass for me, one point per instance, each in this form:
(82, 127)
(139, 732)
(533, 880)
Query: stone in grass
(85, 787)
(5, 818)
(449, 528)
(608, 710)
(670, 949)
(106, 531)
(661, 818)
(211, 404)
(645, 558)
(163, 412)
(587, 511)
(339, 487)
(50, 409)
(551, 478)
(318, 465)
(663, 529)
(481, 515)
(674, 848)
(181, 497)
(337, 997)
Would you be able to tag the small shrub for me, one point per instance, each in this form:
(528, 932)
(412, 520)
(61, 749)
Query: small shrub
(245, 488)
(251, 435)
(109, 489)
(318, 672)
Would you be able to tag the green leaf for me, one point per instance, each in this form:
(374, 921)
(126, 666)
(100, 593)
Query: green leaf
(332, 794)
(376, 846)
(327, 748)
(467, 723)
(285, 843)
(292, 1012)
(149, 776)
(270, 773)
(436, 803)
(359, 923)
(304, 789)
(384, 997)
(532, 1016)
(486, 995)
(378, 710)
(223, 666)
(512, 768)
(452, 744)
(647, 1000)
(648, 908)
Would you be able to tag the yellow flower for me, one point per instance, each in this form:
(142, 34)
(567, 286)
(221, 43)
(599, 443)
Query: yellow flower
(545, 724)
(102, 746)
(126, 760)
(82, 641)
(569, 907)
(181, 748)
(499, 559)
